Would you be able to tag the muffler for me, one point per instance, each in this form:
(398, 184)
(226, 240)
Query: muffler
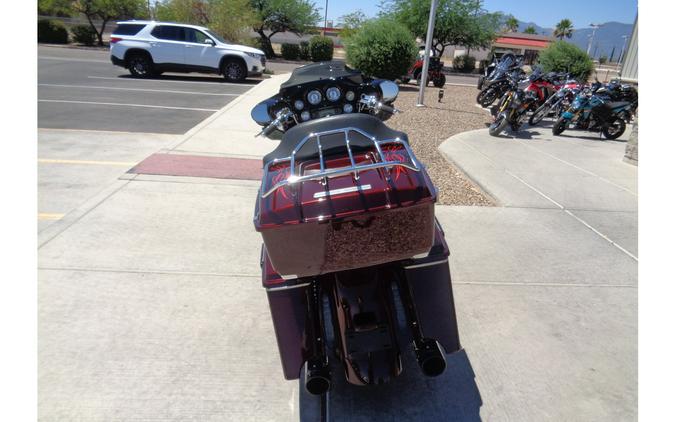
(430, 357)
(317, 376)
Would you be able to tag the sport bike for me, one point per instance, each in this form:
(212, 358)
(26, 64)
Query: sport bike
(354, 263)
(590, 111)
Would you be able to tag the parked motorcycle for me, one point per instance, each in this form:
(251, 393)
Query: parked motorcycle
(434, 73)
(556, 103)
(490, 68)
(589, 111)
(353, 261)
(513, 106)
(497, 84)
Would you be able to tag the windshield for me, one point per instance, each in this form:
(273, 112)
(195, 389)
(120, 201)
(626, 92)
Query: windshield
(217, 37)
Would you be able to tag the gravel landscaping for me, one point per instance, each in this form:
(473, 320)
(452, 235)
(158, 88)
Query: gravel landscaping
(427, 127)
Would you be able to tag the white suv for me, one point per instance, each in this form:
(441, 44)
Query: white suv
(148, 48)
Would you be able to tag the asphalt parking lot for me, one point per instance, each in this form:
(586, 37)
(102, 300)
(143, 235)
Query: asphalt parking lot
(81, 89)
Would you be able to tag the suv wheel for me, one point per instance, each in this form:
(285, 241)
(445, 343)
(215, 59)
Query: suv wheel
(234, 70)
(140, 66)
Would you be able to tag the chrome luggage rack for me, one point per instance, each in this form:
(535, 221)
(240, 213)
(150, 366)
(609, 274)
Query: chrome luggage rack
(382, 161)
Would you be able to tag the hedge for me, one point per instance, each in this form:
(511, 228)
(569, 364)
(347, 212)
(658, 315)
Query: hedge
(464, 63)
(321, 49)
(562, 56)
(290, 51)
(84, 34)
(52, 31)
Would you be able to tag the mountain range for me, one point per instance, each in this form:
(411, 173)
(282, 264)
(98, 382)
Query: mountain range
(607, 38)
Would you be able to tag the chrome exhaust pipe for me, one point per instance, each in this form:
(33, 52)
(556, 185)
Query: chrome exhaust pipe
(317, 377)
(430, 357)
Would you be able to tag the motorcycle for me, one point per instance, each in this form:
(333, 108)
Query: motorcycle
(590, 111)
(513, 106)
(557, 102)
(354, 263)
(490, 68)
(434, 73)
(616, 91)
(498, 83)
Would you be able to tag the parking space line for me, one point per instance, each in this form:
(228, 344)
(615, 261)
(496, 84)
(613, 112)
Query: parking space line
(215, 82)
(49, 216)
(127, 105)
(67, 59)
(90, 162)
(139, 89)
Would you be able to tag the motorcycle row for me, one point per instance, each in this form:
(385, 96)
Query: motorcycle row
(595, 107)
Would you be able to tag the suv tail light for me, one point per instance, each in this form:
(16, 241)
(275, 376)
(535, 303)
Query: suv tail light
(113, 40)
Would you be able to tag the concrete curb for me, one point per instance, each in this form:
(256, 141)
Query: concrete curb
(459, 168)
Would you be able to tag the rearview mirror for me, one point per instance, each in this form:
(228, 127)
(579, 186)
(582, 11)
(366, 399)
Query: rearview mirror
(261, 114)
(389, 91)
(209, 41)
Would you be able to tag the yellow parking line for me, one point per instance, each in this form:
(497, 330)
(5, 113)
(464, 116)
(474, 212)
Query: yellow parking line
(92, 162)
(49, 216)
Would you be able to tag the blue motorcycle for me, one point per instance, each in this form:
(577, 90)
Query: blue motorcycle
(595, 113)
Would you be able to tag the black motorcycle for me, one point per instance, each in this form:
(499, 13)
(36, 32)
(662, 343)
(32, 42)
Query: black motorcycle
(513, 106)
(496, 85)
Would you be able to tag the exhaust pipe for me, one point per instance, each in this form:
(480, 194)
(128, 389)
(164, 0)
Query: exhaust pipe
(430, 357)
(317, 377)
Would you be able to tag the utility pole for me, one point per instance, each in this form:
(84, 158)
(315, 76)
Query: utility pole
(427, 48)
(623, 48)
(595, 27)
(325, 19)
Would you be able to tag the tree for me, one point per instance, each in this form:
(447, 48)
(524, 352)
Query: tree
(563, 29)
(97, 10)
(512, 24)
(530, 30)
(458, 22)
(351, 22)
(229, 18)
(562, 56)
(296, 16)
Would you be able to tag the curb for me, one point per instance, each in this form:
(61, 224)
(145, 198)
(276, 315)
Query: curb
(460, 169)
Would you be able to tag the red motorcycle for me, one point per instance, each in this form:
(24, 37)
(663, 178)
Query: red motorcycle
(354, 263)
(434, 73)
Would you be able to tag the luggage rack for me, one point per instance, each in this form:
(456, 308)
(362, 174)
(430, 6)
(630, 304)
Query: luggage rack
(324, 173)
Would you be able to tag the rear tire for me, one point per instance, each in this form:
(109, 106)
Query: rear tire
(234, 70)
(140, 65)
(559, 126)
(498, 125)
(617, 129)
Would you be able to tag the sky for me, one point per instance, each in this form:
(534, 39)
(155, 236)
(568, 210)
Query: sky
(545, 13)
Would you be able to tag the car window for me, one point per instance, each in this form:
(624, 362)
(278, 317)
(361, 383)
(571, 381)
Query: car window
(128, 29)
(167, 32)
(193, 35)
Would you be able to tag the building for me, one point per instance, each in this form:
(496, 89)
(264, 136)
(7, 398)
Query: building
(527, 45)
(629, 62)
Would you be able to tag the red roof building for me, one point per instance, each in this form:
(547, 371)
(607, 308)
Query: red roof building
(528, 45)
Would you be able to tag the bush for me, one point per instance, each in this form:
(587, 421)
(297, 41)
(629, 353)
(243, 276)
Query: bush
(321, 49)
(464, 63)
(602, 59)
(382, 48)
(562, 56)
(304, 51)
(290, 51)
(52, 31)
(84, 34)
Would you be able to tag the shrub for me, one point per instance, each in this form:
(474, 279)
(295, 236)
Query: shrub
(464, 63)
(602, 59)
(52, 31)
(84, 34)
(304, 51)
(382, 48)
(290, 51)
(321, 49)
(562, 56)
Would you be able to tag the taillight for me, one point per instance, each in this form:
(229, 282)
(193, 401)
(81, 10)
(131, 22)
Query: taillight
(113, 40)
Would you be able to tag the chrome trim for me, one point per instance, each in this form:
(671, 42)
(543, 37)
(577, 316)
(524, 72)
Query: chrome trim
(324, 174)
(426, 264)
(295, 286)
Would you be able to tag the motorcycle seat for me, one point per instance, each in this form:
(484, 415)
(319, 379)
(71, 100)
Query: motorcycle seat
(332, 144)
(618, 104)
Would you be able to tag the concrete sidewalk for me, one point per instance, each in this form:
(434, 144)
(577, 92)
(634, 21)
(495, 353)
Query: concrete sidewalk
(151, 308)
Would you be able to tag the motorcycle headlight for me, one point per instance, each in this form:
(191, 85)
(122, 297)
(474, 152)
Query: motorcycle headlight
(333, 94)
(314, 97)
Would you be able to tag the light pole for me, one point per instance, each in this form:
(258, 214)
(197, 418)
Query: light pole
(590, 42)
(623, 48)
(427, 48)
(325, 19)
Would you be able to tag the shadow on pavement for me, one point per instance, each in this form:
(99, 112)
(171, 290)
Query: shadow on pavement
(453, 396)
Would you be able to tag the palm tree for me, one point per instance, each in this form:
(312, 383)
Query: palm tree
(530, 30)
(512, 24)
(563, 29)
